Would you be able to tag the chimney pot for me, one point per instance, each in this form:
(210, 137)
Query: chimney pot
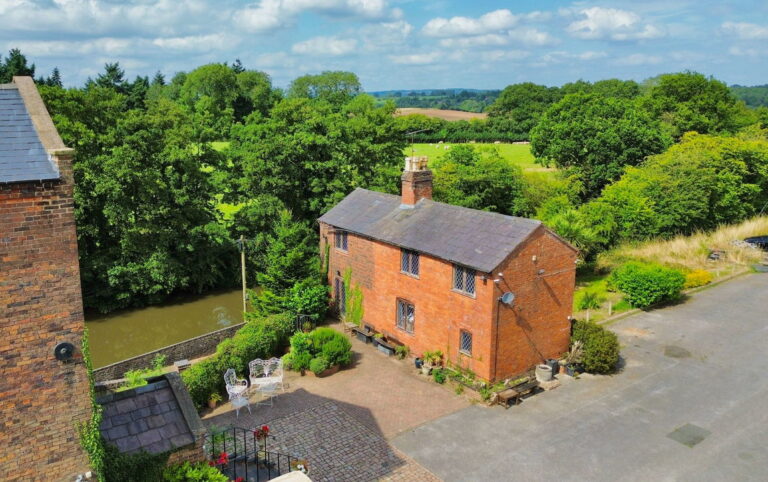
(416, 181)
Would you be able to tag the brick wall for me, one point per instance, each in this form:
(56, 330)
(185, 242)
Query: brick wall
(440, 312)
(542, 307)
(537, 326)
(188, 349)
(41, 399)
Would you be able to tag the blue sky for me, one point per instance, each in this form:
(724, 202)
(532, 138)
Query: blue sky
(397, 44)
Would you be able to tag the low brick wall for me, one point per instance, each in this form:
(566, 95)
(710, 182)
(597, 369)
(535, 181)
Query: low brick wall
(193, 348)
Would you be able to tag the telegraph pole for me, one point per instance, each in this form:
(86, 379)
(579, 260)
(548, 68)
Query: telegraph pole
(241, 245)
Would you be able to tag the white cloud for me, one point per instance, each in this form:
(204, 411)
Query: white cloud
(746, 31)
(195, 43)
(747, 52)
(500, 55)
(99, 17)
(532, 37)
(385, 35)
(417, 59)
(463, 26)
(611, 23)
(491, 39)
(560, 56)
(639, 59)
(325, 46)
(269, 15)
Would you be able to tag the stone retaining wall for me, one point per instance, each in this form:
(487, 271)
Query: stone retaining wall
(188, 349)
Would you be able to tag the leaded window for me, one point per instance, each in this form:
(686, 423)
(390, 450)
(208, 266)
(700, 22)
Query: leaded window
(464, 280)
(406, 315)
(465, 342)
(409, 262)
(340, 240)
(340, 293)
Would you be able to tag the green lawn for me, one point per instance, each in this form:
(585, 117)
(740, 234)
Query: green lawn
(519, 154)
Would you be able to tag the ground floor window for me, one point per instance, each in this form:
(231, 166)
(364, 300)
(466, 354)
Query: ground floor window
(340, 294)
(406, 314)
(465, 342)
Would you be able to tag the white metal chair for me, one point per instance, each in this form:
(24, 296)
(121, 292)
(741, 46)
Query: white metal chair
(237, 389)
(266, 372)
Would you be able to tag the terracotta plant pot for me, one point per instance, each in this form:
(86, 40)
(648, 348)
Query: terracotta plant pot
(212, 404)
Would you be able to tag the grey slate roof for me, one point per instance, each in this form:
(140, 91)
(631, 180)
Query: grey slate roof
(148, 417)
(472, 238)
(22, 156)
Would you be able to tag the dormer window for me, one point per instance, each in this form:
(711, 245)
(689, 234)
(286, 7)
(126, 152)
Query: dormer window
(464, 280)
(340, 240)
(409, 262)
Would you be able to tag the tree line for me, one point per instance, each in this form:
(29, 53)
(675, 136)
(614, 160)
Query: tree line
(159, 202)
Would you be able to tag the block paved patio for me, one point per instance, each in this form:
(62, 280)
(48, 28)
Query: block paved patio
(341, 424)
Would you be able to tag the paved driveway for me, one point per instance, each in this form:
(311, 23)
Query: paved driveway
(699, 369)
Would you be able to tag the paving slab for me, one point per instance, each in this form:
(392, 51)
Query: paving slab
(695, 370)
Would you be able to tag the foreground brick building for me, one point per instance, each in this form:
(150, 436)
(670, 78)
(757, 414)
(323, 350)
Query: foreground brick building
(433, 276)
(41, 397)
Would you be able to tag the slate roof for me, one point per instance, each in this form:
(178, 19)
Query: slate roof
(22, 155)
(472, 238)
(151, 417)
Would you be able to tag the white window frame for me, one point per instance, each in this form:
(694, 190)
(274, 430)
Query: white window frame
(402, 323)
(409, 259)
(465, 274)
(341, 240)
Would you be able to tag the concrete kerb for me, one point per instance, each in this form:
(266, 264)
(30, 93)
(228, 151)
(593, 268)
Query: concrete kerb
(613, 319)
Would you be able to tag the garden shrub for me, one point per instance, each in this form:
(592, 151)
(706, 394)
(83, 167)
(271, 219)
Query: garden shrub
(438, 374)
(318, 365)
(338, 351)
(696, 278)
(645, 284)
(261, 338)
(308, 297)
(323, 342)
(600, 350)
(198, 472)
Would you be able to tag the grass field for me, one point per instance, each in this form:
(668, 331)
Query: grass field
(445, 114)
(519, 154)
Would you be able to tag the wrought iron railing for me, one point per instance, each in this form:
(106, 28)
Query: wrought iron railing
(242, 453)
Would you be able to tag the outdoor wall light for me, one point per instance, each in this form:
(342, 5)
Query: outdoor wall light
(64, 351)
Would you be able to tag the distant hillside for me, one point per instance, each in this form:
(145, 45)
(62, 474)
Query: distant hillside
(445, 114)
(467, 100)
(753, 96)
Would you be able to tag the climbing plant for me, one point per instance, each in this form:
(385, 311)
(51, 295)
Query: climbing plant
(354, 302)
(90, 437)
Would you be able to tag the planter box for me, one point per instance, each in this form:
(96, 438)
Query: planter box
(327, 372)
(363, 336)
(385, 347)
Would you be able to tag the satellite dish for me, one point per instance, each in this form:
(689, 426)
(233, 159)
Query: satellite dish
(508, 298)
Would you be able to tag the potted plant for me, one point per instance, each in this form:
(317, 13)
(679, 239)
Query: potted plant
(300, 465)
(432, 359)
(214, 399)
(418, 362)
(402, 351)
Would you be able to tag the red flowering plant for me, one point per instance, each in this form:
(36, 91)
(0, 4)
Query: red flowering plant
(240, 479)
(262, 432)
(222, 460)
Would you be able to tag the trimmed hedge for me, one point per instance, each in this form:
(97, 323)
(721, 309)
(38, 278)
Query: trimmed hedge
(645, 284)
(262, 338)
(600, 351)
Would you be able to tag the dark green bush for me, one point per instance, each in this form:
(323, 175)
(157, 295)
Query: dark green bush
(600, 351)
(198, 472)
(323, 342)
(318, 365)
(438, 374)
(308, 297)
(645, 284)
(261, 338)
(338, 351)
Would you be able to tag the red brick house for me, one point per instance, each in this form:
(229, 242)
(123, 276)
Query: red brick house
(42, 398)
(433, 275)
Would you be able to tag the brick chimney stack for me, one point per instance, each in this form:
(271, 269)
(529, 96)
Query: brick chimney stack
(416, 181)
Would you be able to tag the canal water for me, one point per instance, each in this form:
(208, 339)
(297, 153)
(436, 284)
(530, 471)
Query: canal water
(128, 333)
